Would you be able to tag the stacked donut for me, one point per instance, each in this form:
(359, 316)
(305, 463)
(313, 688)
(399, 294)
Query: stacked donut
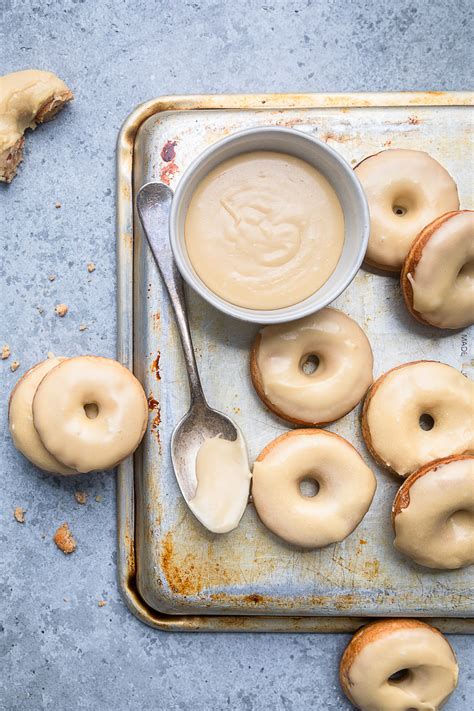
(74, 415)
(416, 227)
(418, 422)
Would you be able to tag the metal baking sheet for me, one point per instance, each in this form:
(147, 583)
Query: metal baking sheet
(174, 573)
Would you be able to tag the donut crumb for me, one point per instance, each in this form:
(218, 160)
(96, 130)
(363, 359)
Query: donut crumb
(57, 205)
(61, 309)
(83, 327)
(80, 496)
(19, 514)
(91, 267)
(6, 352)
(102, 603)
(64, 539)
(52, 277)
(15, 365)
(98, 498)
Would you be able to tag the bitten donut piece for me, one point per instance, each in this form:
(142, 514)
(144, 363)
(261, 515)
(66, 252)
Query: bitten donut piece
(416, 413)
(433, 514)
(20, 417)
(398, 665)
(405, 190)
(437, 279)
(27, 98)
(314, 370)
(90, 412)
(322, 460)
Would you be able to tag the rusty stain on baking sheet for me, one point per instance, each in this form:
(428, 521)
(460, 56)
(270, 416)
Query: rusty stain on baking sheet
(154, 407)
(125, 191)
(290, 123)
(155, 366)
(254, 598)
(129, 547)
(155, 424)
(372, 569)
(168, 152)
(338, 137)
(152, 403)
(127, 239)
(248, 570)
(169, 170)
(188, 576)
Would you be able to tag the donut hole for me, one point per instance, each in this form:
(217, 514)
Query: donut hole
(464, 519)
(309, 364)
(91, 409)
(426, 422)
(465, 275)
(399, 677)
(404, 203)
(308, 487)
(399, 210)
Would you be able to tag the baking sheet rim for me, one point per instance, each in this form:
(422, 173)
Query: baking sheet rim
(124, 224)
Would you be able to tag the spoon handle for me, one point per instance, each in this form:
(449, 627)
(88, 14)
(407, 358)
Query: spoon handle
(154, 206)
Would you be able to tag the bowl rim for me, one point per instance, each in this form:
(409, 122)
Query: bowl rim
(287, 313)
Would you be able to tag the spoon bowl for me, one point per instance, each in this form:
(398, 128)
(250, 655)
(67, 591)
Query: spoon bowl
(201, 422)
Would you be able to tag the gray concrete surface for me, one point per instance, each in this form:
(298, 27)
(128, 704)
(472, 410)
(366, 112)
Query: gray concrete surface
(59, 649)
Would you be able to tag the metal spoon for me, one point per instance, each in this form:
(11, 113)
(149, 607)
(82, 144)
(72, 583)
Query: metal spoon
(201, 421)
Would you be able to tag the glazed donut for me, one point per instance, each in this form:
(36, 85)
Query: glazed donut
(416, 413)
(343, 357)
(405, 190)
(346, 487)
(90, 412)
(398, 665)
(438, 274)
(20, 417)
(433, 514)
(27, 98)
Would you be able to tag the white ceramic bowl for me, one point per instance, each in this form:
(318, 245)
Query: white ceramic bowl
(339, 174)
